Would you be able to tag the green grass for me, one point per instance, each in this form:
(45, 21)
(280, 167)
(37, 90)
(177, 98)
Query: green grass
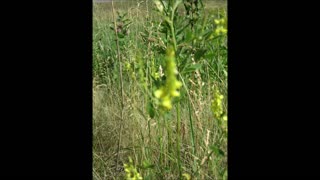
(163, 144)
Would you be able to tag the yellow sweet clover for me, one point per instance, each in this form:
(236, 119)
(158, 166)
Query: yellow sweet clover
(170, 90)
(217, 108)
(131, 171)
(129, 69)
(225, 122)
(154, 72)
(128, 66)
(221, 26)
(187, 176)
(156, 76)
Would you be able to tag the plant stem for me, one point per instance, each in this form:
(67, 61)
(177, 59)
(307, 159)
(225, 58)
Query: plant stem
(121, 86)
(178, 139)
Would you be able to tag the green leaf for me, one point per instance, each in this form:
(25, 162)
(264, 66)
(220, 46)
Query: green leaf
(126, 26)
(207, 34)
(200, 53)
(121, 35)
(217, 150)
(192, 68)
(150, 109)
(176, 4)
(209, 56)
(225, 175)
(147, 165)
(189, 35)
(124, 14)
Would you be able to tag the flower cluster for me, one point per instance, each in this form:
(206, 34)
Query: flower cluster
(217, 108)
(131, 171)
(221, 26)
(170, 90)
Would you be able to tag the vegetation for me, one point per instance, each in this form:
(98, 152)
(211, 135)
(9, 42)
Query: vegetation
(160, 90)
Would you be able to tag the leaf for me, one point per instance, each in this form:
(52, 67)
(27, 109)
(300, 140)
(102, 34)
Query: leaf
(217, 150)
(183, 27)
(180, 38)
(147, 165)
(167, 169)
(150, 109)
(189, 35)
(225, 73)
(183, 63)
(127, 25)
(176, 4)
(142, 114)
(124, 14)
(208, 33)
(200, 53)
(192, 68)
(209, 56)
(121, 35)
(225, 175)
(165, 5)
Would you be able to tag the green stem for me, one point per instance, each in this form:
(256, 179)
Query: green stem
(192, 134)
(160, 138)
(169, 137)
(173, 37)
(178, 138)
(121, 86)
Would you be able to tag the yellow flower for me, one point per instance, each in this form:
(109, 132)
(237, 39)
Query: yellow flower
(216, 106)
(187, 176)
(225, 118)
(221, 30)
(158, 93)
(170, 90)
(166, 103)
(175, 94)
(131, 171)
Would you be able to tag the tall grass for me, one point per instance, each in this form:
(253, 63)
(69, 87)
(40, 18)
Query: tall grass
(147, 121)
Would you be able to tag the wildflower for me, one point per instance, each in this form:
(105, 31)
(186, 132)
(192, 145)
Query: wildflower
(187, 176)
(221, 26)
(127, 66)
(158, 93)
(221, 30)
(217, 109)
(217, 104)
(225, 118)
(156, 75)
(170, 90)
(217, 21)
(131, 171)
